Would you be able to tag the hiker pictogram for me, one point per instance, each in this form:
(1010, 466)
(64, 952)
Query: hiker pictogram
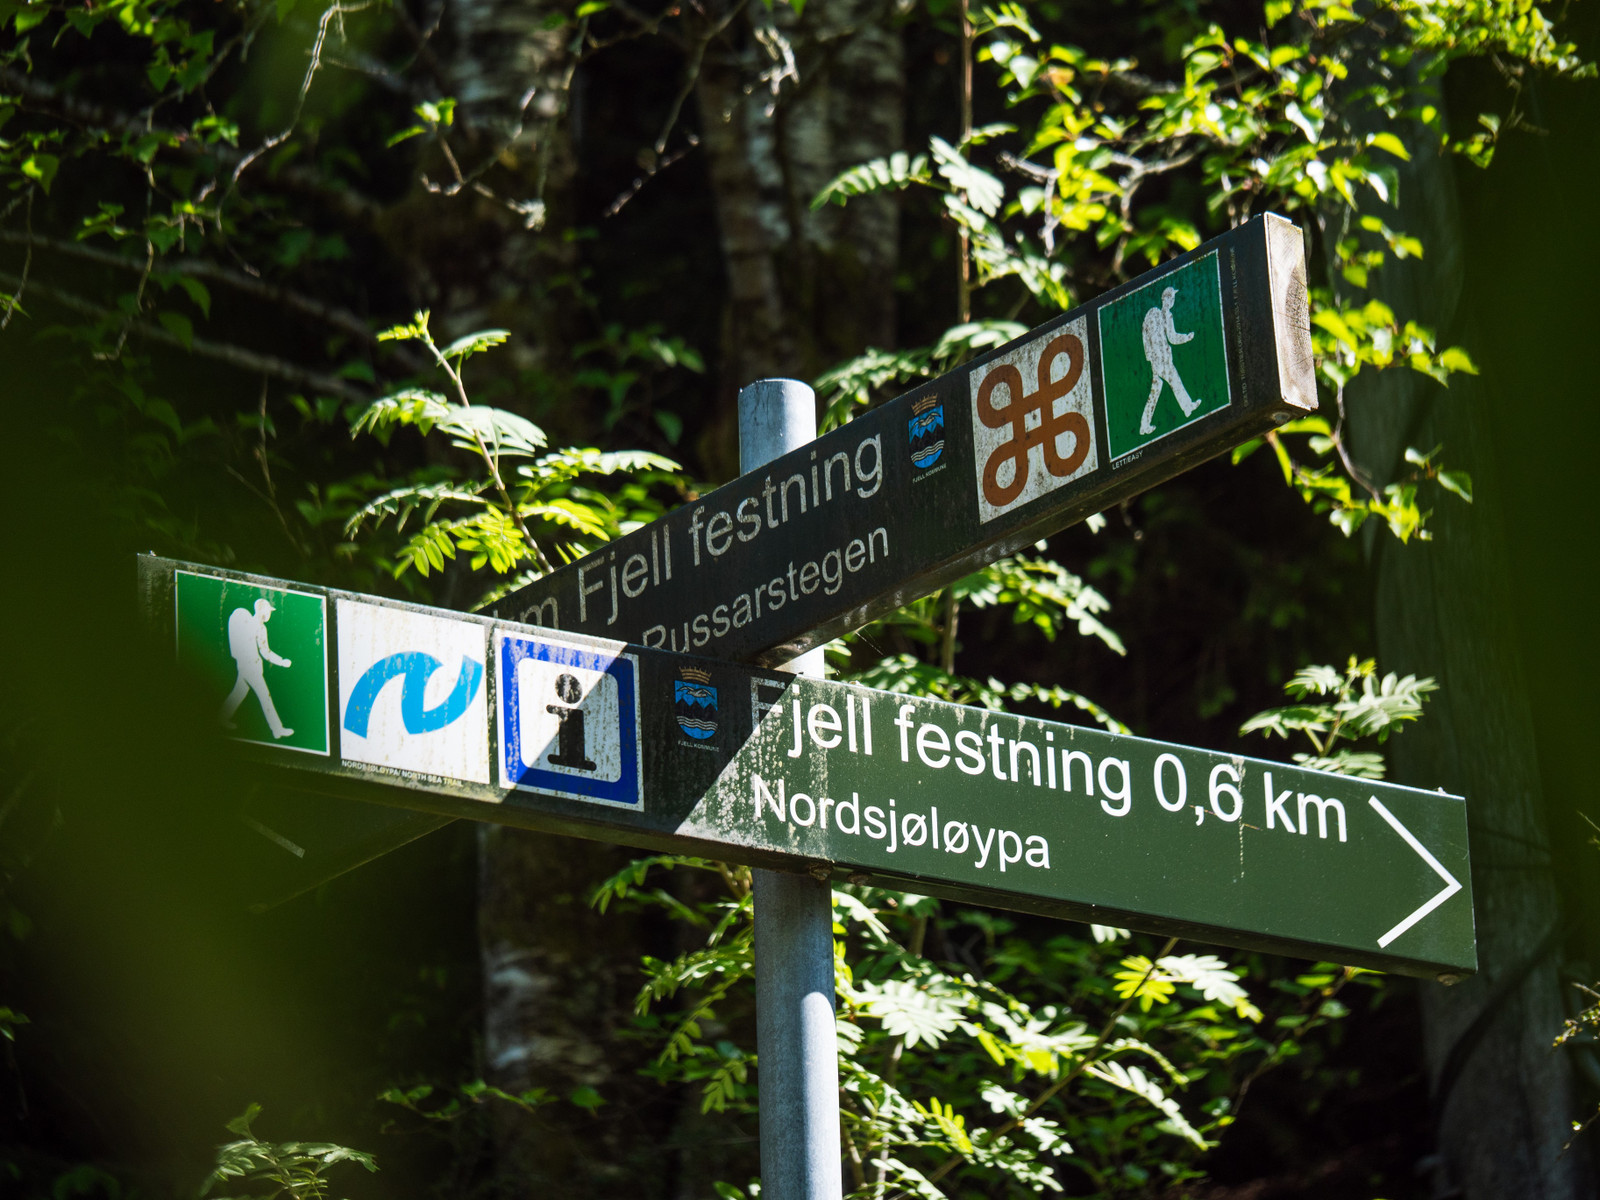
(247, 642)
(1164, 356)
(1160, 336)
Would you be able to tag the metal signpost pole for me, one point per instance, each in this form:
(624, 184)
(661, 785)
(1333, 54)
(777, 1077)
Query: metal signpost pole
(798, 1071)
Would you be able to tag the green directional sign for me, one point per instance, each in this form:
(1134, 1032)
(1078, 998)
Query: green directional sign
(263, 650)
(1048, 817)
(1164, 356)
(1097, 404)
(663, 751)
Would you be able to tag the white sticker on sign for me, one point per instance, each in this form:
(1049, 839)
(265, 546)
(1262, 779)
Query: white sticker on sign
(1033, 419)
(412, 691)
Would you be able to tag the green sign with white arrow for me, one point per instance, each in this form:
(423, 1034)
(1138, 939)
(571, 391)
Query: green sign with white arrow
(468, 716)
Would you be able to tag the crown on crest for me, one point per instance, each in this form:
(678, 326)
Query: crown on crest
(694, 675)
(923, 405)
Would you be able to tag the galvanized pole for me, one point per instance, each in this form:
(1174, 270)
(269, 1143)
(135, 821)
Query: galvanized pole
(798, 1073)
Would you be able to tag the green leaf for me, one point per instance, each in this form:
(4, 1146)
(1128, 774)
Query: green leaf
(241, 1123)
(1388, 141)
(982, 190)
(31, 16)
(586, 1097)
(1454, 358)
(472, 343)
(915, 1013)
(405, 135)
(197, 293)
(1458, 482)
(178, 325)
(41, 168)
(1142, 980)
(894, 173)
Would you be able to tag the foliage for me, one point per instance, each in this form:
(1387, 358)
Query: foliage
(550, 499)
(270, 1169)
(1121, 166)
(1585, 1024)
(173, 210)
(1031, 1058)
(1342, 706)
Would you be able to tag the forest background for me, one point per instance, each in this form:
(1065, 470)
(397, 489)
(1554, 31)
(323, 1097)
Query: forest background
(213, 213)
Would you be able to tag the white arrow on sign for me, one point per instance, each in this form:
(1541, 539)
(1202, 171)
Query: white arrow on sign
(1452, 885)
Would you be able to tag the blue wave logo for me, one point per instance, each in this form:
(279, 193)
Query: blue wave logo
(414, 668)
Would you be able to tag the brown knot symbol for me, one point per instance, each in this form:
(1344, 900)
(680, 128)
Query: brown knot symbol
(1051, 425)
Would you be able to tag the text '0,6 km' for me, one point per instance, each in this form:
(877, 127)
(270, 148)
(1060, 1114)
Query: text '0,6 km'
(1097, 405)
(467, 716)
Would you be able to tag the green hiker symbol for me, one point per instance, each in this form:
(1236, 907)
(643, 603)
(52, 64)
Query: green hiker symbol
(1160, 335)
(247, 642)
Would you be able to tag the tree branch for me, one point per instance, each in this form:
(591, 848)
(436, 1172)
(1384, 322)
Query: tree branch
(342, 199)
(233, 356)
(201, 268)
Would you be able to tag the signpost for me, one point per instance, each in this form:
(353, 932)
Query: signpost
(668, 752)
(570, 729)
(1090, 408)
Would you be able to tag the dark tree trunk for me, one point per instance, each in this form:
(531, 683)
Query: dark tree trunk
(1503, 1100)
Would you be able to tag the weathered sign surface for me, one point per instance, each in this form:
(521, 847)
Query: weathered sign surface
(468, 716)
(1088, 409)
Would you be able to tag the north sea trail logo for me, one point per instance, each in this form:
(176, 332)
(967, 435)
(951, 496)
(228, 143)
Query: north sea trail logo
(412, 691)
(694, 703)
(414, 669)
(1033, 420)
(926, 430)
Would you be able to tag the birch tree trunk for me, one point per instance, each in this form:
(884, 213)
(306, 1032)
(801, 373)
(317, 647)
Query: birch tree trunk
(485, 238)
(786, 103)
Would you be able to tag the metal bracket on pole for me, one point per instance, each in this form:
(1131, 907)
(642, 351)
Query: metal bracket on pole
(798, 1071)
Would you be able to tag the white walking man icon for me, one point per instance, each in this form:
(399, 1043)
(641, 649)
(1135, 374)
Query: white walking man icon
(1160, 335)
(247, 642)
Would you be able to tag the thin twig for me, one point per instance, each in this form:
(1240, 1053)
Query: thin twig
(659, 166)
(334, 11)
(691, 72)
(1344, 454)
(202, 268)
(138, 292)
(947, 633)
(493, 460)
(964, 289)
(14, 301)
(37, 95)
